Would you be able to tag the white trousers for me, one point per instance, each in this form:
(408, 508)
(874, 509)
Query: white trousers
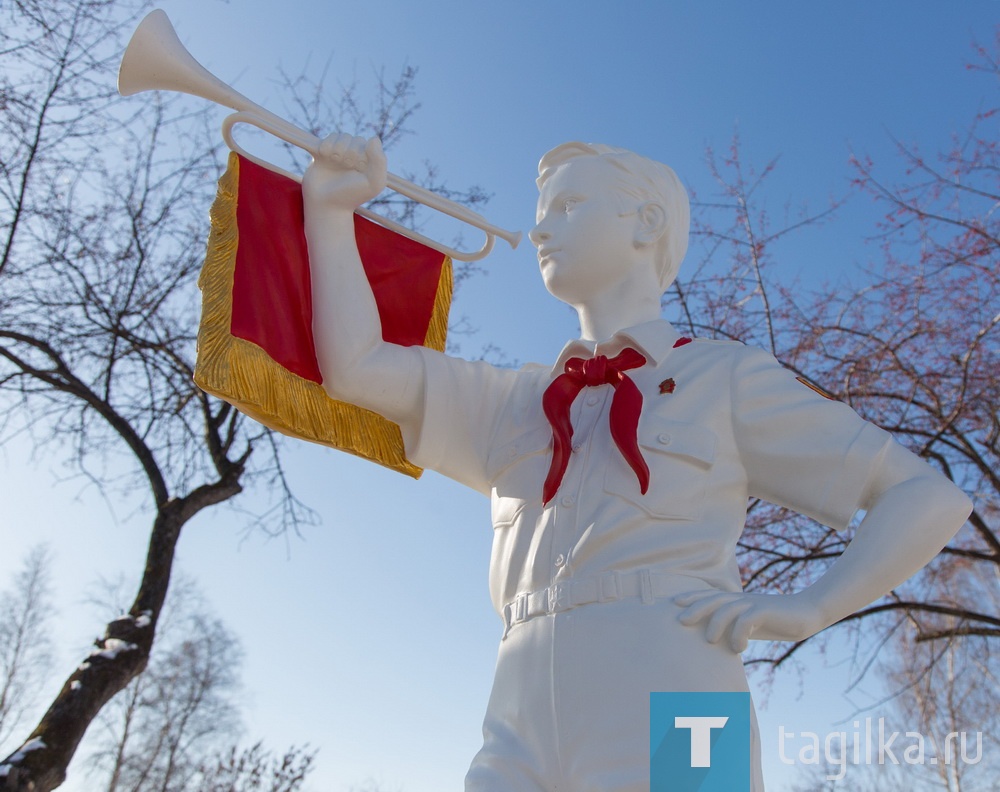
(569, 710)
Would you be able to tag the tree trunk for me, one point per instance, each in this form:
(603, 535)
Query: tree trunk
(40, 764)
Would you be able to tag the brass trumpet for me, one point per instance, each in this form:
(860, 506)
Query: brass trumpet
(155, 59)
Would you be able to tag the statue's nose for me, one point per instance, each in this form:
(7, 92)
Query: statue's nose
(538, 235)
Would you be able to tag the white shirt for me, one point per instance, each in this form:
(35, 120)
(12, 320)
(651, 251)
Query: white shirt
(736, 425)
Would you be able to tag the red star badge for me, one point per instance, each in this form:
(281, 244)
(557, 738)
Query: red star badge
(668, 385)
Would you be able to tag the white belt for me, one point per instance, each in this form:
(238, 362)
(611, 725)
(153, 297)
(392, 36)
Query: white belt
(646, 584)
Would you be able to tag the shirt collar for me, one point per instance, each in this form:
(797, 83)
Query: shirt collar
(653, 339)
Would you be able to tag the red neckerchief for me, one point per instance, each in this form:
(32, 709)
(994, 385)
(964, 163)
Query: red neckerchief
(624, 417)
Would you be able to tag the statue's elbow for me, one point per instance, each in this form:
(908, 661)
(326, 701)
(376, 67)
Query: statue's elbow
(341, 382)
(950, 506)
(961, 506)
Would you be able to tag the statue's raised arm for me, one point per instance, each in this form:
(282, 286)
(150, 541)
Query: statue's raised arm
(357, 365)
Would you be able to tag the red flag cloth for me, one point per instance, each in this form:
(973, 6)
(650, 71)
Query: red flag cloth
(255, 344)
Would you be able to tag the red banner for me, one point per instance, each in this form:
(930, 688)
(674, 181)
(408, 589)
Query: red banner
(255, 344)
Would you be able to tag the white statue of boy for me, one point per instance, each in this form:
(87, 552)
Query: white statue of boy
(619, 477)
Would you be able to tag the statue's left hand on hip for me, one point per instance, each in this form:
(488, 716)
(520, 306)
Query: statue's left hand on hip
(738, 617)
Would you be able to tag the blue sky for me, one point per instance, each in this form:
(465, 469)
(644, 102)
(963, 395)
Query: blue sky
(373, 637)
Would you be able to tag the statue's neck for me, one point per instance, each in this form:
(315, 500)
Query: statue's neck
(630, 303)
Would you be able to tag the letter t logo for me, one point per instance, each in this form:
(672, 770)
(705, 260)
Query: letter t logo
(687, 731)
(701, 737)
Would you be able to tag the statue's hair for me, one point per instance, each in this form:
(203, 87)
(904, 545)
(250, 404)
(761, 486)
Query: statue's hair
(641, 178)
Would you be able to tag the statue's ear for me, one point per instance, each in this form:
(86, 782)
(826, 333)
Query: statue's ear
(652, 224)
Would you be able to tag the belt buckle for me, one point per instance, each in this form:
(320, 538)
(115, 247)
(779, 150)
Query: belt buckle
(520, 608)
(514, 613)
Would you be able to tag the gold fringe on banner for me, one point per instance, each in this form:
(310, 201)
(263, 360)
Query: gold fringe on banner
(243, 374)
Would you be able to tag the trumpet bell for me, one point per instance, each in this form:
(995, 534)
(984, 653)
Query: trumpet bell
(156, 60)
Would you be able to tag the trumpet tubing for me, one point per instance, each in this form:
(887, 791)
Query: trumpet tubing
(156, 60)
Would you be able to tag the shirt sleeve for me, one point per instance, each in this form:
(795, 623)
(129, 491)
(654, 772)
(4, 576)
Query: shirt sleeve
(462, 404)
(801, 450)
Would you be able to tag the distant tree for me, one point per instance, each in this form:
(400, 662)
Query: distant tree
(946, 689)
(945, 692)
(256, 770)
(25, 658)
(180, 712)
(102, 233)
(370, 785)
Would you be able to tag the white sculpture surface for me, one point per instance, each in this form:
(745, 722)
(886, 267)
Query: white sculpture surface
(621, 578)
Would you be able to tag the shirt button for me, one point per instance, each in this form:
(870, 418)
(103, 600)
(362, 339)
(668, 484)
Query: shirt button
(576, 448)
(592, 399)
(560, 560)
(664, 438)
(567, 500)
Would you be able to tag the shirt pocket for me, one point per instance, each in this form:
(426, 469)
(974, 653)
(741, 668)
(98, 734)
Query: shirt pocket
(680, 457)
(518, 469)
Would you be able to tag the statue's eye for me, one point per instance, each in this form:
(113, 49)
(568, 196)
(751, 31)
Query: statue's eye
(569, 203)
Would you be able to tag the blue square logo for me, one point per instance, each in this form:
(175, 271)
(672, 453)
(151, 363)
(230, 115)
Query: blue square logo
(699, 742)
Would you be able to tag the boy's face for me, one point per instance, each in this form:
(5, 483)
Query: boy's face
(586, 245)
